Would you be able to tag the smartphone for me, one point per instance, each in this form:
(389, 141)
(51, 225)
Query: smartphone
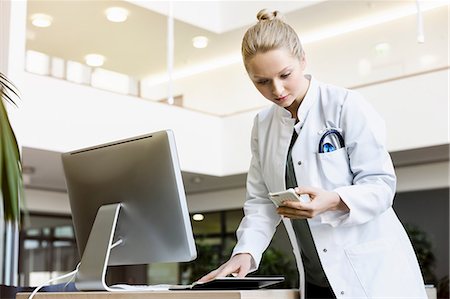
(278, 197)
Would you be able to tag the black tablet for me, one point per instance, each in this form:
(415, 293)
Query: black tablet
(232, 283)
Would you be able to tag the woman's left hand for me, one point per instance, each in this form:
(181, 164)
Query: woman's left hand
(321, 201)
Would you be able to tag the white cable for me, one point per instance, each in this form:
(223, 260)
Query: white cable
(73, 277)
(52, 280)
(120, 241)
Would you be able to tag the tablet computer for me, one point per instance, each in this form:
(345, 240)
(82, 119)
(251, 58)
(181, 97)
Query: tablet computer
(232, 283)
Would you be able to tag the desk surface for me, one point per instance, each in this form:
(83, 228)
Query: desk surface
(250, 294)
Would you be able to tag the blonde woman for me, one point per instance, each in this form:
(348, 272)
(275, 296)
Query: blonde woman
(326, 142)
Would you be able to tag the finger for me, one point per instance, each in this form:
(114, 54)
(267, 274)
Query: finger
(295, 205)
(294, 213)
(210, 276)
(307, 190)
(297, 216)
(243, 271)
(293, 210)
(227, 271)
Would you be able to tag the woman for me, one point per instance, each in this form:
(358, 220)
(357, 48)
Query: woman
(347, 240)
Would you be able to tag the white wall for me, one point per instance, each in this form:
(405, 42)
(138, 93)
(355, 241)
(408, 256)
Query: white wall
(236, 142)
(13, 44)
(4, 34)
(423, 177)
(60, 116)
(415, 109)
(216, 201)
(48, 202)
(352, 59)
(222, 91)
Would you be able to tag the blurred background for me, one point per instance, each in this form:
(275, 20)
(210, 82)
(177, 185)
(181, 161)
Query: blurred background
(95, 71)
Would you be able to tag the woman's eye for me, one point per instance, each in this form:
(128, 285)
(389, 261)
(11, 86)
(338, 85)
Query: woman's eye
(284, 76)
(262, 82)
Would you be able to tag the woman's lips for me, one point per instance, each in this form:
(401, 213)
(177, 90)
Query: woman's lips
(280, 99)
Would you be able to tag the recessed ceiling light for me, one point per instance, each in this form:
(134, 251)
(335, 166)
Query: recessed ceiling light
(41, 20)
(198, 217)
(116, 14)
(200, 42)
(196, 180)
(94, 60)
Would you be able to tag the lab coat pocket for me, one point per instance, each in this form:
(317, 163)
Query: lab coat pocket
(334, 168)
(381, 269)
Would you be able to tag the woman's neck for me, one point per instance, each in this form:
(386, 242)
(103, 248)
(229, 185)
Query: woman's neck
(293, 108)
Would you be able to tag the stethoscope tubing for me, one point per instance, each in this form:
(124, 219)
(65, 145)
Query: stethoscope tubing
(329, 132)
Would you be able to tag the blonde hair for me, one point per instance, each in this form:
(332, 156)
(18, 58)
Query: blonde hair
(270, 33)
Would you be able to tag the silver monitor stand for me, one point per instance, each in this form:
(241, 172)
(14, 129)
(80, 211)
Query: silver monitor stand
(94, 262)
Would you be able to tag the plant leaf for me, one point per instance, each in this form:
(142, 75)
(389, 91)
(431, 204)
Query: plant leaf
(11, 178)
(7, 87)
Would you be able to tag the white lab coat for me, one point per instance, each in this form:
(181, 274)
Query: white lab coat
(365, 253)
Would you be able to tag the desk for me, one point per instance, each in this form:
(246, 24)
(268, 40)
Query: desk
(250, 294)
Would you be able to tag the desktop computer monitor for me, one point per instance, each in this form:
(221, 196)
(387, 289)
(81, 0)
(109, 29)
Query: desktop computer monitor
(128, 205)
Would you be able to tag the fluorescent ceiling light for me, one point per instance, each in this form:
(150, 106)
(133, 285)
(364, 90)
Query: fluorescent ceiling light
(41, 20)
(200, 42)
(94, 60)
(116, 14)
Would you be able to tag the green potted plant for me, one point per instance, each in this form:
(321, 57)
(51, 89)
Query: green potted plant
(11, 187)
(206, 261)
(275, 262)
(424, 252)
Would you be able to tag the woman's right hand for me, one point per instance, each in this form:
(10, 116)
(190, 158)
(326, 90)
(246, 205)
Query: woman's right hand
(239, 265)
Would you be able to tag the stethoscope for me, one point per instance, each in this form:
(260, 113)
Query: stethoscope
(326, 147)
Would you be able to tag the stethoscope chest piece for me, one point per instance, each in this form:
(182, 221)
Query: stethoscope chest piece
(330, 140)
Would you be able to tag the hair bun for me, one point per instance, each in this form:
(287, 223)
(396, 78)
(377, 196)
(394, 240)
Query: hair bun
(266, 15)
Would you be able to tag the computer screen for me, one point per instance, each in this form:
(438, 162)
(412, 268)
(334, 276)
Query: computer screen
(133, 191)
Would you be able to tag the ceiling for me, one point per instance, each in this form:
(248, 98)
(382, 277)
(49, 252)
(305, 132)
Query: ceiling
(220, 16)
(138, 46)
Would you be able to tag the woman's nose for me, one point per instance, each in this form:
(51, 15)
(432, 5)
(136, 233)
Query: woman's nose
(277, 88)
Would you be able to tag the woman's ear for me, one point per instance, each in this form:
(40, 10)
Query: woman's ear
(303, 61)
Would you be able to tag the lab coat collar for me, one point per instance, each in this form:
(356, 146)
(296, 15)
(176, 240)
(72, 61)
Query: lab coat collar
(305, 106)
(308, 100)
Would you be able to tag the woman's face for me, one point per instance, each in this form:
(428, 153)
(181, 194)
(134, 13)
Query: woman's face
(278, 76)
